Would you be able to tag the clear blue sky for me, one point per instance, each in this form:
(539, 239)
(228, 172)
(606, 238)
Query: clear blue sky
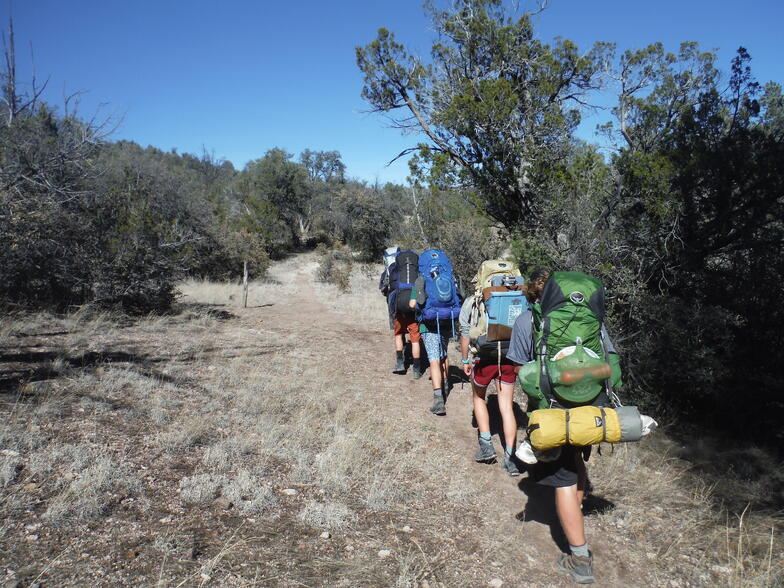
(242, 76)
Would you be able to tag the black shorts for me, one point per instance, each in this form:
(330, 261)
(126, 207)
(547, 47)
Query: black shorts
(562, 472)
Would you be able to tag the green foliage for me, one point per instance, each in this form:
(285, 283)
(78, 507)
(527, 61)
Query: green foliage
(497, 105)
(334, 266)
(700, 203)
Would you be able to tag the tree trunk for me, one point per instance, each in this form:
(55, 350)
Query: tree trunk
(245, 284)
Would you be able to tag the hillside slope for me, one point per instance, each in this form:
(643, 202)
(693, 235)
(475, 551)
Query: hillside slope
(271, 446)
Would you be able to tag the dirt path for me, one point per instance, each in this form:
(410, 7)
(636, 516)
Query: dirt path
(268, 446)
(522, 533)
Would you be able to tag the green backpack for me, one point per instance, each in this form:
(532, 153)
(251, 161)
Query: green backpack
(572, 365)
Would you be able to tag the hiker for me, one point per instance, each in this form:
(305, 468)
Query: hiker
(396, 283)
(437, 302)
(486, 367)
(567, 472)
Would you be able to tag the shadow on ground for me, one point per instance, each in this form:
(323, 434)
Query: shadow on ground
(540, 508)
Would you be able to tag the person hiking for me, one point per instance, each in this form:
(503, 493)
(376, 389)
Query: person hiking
(481, 371)
(401, 318)
(567, 473)
(435, 298)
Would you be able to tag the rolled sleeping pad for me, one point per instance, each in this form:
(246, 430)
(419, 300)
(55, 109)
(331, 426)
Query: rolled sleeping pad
(585, 425)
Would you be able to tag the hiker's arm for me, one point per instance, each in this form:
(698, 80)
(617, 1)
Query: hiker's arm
(466, 363)
(382, 284)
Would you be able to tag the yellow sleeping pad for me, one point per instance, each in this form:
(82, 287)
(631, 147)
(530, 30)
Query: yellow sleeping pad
(584, 425)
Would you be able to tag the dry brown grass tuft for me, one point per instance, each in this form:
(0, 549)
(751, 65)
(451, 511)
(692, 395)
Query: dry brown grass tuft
(332, 515)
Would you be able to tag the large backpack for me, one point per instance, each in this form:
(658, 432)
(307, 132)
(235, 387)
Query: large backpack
(442, 300)
(403, 273)
(572, 364)
(390, 253)
(495, 309)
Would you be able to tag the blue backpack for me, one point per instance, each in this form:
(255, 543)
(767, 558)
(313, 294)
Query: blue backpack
(442, 301)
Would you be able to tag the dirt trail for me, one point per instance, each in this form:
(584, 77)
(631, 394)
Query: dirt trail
(364, 354)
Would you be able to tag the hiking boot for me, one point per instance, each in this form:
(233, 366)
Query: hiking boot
(525, 453)
(438, 407)
(510, 465)
(400, 366)
(485, 453)
(416, 372)
(579, 568)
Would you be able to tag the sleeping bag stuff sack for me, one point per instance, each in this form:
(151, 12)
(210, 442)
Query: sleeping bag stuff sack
(585, 425)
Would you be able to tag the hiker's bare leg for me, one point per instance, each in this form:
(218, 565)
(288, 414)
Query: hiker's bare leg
(505, 397)
(399, 343)
(435, 374)
(445, 370)
(480, 408)
(567, 505)
(415, 350)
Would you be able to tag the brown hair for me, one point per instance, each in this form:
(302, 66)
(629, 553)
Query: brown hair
(539, 274)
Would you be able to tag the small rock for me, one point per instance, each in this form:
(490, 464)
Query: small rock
(496, 582)
(9, 452)
(325, 535)
(205, 577)
(165, 520)
(289, 492)
(721, 569)
(407, 529)
(30, 487)
(424, 584)
(384, 553)
(349, 548)
(131, 554)
(32, 537)
(211, 368)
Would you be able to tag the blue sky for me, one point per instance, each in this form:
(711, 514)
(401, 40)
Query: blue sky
(239, 77)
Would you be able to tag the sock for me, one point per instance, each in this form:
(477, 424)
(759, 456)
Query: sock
(437, 392)
(580, 550)
(398, 355)
(485, 436)
(508, 451)
(416, 363)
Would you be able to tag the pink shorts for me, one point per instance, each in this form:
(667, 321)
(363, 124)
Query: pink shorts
(484, 373)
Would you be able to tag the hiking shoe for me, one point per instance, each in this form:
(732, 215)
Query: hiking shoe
(579, 568)
(510, 466)
(485, 453)
(400, 366)
(438, 407)
(525, 453)
(416, 372)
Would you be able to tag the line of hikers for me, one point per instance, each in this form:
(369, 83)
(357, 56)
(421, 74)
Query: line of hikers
(549, 335)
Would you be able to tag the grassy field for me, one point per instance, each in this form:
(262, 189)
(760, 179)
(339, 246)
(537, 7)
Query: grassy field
(271, 446)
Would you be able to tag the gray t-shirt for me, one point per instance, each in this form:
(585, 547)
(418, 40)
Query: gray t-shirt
(521, 346)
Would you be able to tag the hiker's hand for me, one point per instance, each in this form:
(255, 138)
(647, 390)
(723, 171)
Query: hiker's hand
(467, 369)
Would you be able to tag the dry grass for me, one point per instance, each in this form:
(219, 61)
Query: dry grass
(206, 449)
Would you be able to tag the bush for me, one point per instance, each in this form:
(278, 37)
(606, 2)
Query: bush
(335, 268)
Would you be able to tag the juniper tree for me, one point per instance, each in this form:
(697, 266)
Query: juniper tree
(495, 104)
